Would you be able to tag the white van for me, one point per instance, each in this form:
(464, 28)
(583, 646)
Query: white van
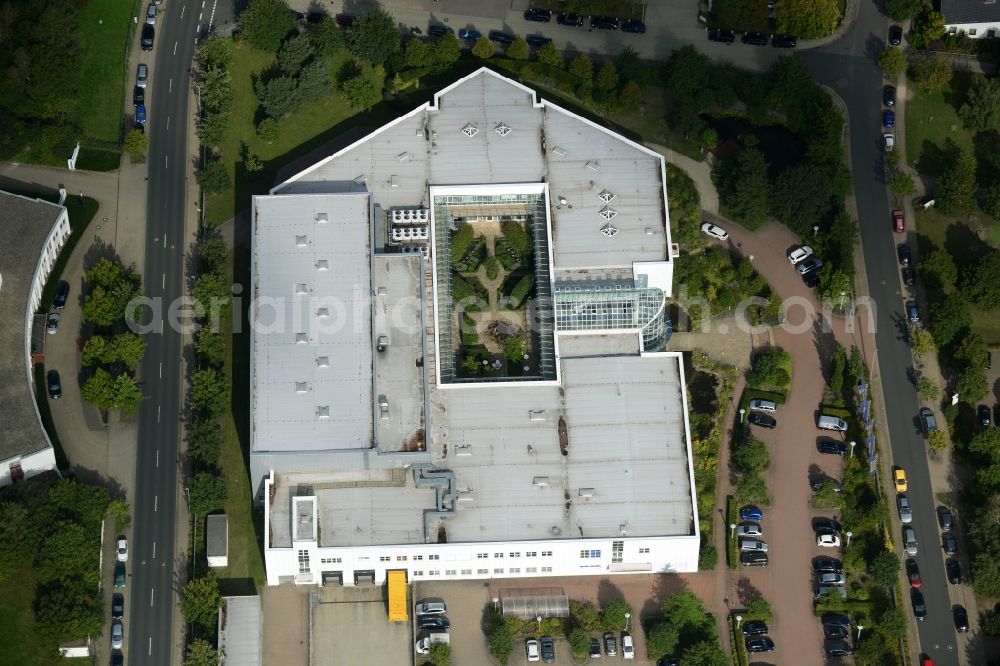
(761, 405)
(827, 422)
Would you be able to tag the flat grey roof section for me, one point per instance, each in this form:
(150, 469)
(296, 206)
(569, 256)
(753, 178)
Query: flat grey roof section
(580, 161)
(240, 631)
(312, 350)
(619, 344)
(217, 535)
(627, 454)
(25, 225)
(398, 377)
(969, 11)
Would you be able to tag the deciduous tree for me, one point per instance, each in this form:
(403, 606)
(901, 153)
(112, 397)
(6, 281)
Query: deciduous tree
(483, 48)
(127, 394)
(213, 177)
(550, 55)
(210, 346)
(808, 19)
(884, 569)
(948, 318)
(126, 348)
(204, 441)
(902, 184)
(98, 390)
(215, 52)
(201, 653)
(631, 96)
(200, 600)
(445, 52)
(264, 23)
(956, 187)
(981, 110)
(931, 72)
(210, 391)
(208, 493)
(136, 144)
(893, 62)
(360, 92)
(607, 77)
(212, 291)
(327, 36)
(518, 50)
(902, 10)
(582, 67)
(743, 186)
(374, 36)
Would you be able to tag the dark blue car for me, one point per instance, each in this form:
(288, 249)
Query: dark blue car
(469, 34)
(140, 114)
(537, 40)
(751, 513)
(637, 27)
(889, 118)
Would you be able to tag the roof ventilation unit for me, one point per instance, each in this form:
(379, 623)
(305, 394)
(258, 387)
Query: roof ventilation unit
(301, 338)
(323, 412)
(536, 415)
(540, 481)
(609, 230)
(608, 213)
(587, 493)
(323, 313)
(606, 196)
(302, 241)
(593, 165)
(301, 387)
(559, 151)
(556, 530)
(470, 130)
(322, 218)
(502, 129)
(301, 289)
(563, 201)
(323, 361)
(383, 343)
(403, 156)
(323, 265)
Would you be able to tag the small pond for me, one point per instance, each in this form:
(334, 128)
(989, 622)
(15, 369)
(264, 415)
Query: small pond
(781, 148)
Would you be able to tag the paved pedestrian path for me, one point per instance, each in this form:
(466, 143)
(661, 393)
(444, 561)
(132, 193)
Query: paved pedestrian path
(697, 170)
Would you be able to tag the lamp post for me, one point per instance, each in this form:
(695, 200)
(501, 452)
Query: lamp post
(732, 530)
(739, 620)
(627, 617)
(538, 618)
(842, 294)
(496, 600)
(848, 535)
(816, 230)
(852, 448)
(860, 627)
(742, 411)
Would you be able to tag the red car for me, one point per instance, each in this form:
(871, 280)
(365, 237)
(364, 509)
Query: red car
(898, 221)
(912, 572)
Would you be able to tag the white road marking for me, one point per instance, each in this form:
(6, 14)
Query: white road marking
(157, 420)
(168, 123)
(150, 653)
(161, 369)
(154, 543)
(163, 282)
(199, 17)
(182, 10)
(170, 86)
(157, 464)
(156, 502)
(164, 241)
(166, 162)
(175, 48)
(151, 591)
(211, 19)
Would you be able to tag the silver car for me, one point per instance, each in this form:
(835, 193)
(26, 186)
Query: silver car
(151, 14)
(910, 540)
(142, 75)
(749, 529)
(753, 545)
(831, 578)
(117, 635)
(903, 504)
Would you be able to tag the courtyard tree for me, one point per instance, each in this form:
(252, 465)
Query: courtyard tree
(98, 390)
(127, 396)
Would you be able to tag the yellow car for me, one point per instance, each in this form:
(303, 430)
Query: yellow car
(900, 478)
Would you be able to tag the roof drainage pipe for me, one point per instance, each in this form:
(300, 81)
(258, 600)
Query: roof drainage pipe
(443, 482)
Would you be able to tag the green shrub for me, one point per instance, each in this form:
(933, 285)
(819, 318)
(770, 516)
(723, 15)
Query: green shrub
(473, 258)
(461, 241)
(769, 370)
(492, 267)
(468, 334)
(468, 292)
(521, 290)
(518, 238)
(505, 255)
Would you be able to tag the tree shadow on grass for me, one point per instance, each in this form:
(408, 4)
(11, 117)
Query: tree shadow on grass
(964, 244)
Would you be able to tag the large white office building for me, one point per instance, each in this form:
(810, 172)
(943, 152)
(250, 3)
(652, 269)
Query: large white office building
(457, 352)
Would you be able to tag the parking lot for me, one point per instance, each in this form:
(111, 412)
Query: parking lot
(350, 625)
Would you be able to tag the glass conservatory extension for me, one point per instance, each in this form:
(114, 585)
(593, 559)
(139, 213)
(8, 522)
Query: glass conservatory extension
(615, 307)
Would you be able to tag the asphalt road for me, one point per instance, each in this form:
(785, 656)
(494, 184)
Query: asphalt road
(848, 66)
(153, 594)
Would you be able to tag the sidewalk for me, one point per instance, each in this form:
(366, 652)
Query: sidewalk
(698, 171)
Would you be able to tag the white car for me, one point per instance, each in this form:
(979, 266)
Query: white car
(121, 549)
(753, 545)
(905, 513)
(117, 635)
(749, 530)
(142, 75)
(151, 14)
(888, 141)
(718, 233)
(628, 646)
(828, 540)
(531, 649)
(799, 253)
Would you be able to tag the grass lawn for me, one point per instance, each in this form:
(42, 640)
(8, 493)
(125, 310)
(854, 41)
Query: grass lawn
(303, 130)
(931, 119)
(104, 31)
(22, 645)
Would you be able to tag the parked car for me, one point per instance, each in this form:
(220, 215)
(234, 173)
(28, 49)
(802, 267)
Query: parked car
(889, 96)
(903, 505)
(799, 254)
(832, 619)
(913, 311)
(548, 649)
(837, 648)
(610, 645)
(438, 30)
(501, 37)
(895, 35)
(835, 633)
(961, 617)
(636, 28)
(151, 14)
(52, 324)
(120, 575)
(628, 646)
(949, 543)
(469, 34)
(754, 38)
(138, 96)
(748, 544)
(140, 114)
(757, 644)
(910, 541)
(537, 41)
(917, 602)
(826, 525)
(954, 571)
(899, 479)
(909, 276)
(833, 447)
(984, 416)
(146, 37)
(121, 549)
(751, 512)
(888, 119)
(753, 558)
(828, 540)
(749, 530)
(53, 384)
(762, 405)
(945, 519)
(754, 628)
(431, 606)
(62, 294)
(903, 250)
(913, 572)
(117, 635)
(595, 649)
(812, 279)
(538, 15)
(604, 23)
(929, 422)
(117, 606)
(828, 565)
(723, 35)
(118, 659)
(888, 141)
(898, 221)
(572, 19)
(434, 622)
(783, 41)
(827, 579)
(809, 265)
(714, 231)
(344, 20)
(828, 422)
(532, 650)
(761, 419)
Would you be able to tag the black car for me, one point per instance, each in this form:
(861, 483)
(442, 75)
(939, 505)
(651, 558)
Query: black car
(759, 644)
(831, 446)
(984, 416)
(595, 649)
(146, 38)
(439, 30)
(949, 543)
(836, 620)
(889, 96)
(434, 622)
(635, 27)
(961, 617)
(811, 279)
(904, 254)
(754, 628)
(828, 525)
(917, 601)
(62, 293)
(118, 659)
(761, 419)
(572, 19)
(954, 571)
(783, 41)
(895, 35)
(810, 265)
(538, 15)
(501, 37)
(117, 606)
(668, 661)
(753, 559)
(909, 276)
(837, 648)
(945, 519)
(548, 649)
(537, 40)
(138, 96)
(724, 35)
(344, 20)
(836, 633)
(604, 22)
(754, 38)
(55, 388)
(828, 565)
